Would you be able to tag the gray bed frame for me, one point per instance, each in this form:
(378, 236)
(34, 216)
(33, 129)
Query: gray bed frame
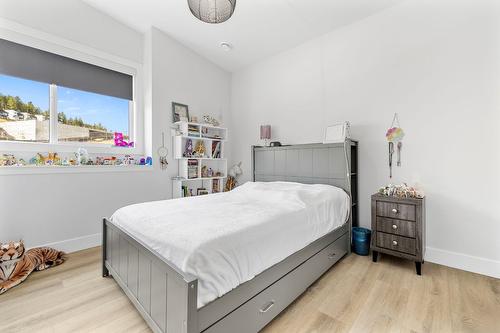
(167, 297)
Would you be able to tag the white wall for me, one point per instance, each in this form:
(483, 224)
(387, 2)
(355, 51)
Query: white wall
(436, 63)
(57, 208)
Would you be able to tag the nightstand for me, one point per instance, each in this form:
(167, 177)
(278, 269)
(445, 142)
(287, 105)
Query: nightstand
(398, 228)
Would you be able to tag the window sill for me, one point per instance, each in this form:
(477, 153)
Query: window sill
(35, 170)
(42, 147)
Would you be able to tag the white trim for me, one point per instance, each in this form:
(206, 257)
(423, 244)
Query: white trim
(22, 34)
(463, 261)
(76, 244)
(40, 170)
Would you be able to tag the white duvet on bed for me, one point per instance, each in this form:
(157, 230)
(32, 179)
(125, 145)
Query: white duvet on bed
(228, 238)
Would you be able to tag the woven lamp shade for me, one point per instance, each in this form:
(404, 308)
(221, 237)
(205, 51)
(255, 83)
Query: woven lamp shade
(212, 11)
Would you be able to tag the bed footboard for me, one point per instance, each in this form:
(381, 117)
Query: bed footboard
(164, 296)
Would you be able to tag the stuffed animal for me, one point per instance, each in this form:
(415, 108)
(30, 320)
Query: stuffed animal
(16, 264)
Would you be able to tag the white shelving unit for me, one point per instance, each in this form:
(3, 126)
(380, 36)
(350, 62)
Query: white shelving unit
(199, 172)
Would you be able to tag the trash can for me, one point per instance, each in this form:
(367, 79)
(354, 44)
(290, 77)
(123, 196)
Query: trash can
(361, 240)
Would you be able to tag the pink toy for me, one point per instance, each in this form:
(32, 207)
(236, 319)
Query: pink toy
(119, 142)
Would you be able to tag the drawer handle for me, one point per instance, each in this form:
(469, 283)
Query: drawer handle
(394, 226)
(332, 256)
(394, 210)
(395, 243)
(267, 307)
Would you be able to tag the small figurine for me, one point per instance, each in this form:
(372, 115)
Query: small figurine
(21, 162)
(207, 119)
(90, 161)
(188, 151)
(127, 160)
(82, 156)
(65, 162)
(204, 171)
(200, 148)
(120, 142)
(210, 172)
(149, 160)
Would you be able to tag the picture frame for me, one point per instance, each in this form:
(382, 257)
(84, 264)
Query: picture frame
(180, 112)
(201, 191)
(337, 133)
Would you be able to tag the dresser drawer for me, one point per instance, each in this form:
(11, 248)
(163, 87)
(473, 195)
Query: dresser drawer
(396, 210)
(396, 227)
(396, 243)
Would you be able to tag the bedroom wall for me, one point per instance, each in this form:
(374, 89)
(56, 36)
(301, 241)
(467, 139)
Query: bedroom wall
(436, 63)
(65, 210)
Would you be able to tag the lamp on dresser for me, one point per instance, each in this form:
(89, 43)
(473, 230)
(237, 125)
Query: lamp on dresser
(398, 228)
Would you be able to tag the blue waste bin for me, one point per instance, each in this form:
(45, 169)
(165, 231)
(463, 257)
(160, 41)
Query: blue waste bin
(361, 240)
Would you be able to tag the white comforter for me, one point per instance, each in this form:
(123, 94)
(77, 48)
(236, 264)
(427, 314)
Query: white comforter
(228, 238)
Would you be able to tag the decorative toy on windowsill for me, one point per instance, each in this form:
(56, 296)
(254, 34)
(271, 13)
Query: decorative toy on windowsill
(16, 264)
(120, 142)
(395, 135)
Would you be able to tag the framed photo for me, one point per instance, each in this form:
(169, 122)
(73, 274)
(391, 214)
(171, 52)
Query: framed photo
(337, 133)
(180, 112)
(201, 191)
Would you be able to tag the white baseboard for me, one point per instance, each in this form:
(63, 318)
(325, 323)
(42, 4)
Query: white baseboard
(77, 244)
(463, 261)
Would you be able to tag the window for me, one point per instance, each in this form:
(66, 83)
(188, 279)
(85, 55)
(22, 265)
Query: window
(48, 98)
(24, 110)
(90, 117)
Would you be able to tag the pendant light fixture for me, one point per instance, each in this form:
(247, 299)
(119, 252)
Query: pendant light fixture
(212, 11)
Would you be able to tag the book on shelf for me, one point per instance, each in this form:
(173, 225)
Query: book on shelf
(216, 149)
(192, 169)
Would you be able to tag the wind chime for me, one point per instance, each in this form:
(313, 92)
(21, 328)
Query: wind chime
(394, 136)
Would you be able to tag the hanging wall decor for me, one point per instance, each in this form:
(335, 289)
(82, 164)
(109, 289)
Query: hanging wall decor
(162, 153)
(394, 136)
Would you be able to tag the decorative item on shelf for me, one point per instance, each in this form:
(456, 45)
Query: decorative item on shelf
(208, 119)
(149, 160)
(120, 142)
(233, 175)
(162, 153)
(265, 134)
(194, 119)
(201, 191)
(210, 172)
(180, 112)
(215, 185)
(401, 191)
(199, 149)
(395, 135)
(52, 159)
(82, 156)
(212, 11)
(204, 171)
(275, 144)
(90, 161)
(337, 133)
(188, 150)
(216, 149)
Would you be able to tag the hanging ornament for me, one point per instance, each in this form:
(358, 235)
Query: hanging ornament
(395, 135)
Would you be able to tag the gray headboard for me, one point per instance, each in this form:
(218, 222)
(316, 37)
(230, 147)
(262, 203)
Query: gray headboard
(310, 164)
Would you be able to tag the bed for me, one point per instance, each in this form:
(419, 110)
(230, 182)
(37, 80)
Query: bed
(233, 261)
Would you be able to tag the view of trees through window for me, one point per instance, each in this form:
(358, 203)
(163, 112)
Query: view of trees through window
(82, 116)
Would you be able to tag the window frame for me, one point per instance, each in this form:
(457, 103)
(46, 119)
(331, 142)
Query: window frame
(50, 43)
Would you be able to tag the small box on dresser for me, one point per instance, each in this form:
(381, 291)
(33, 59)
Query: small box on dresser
(398, 228)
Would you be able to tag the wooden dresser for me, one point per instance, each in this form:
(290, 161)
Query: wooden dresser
(398, 228)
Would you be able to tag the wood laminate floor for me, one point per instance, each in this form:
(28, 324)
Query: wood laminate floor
(356, 295)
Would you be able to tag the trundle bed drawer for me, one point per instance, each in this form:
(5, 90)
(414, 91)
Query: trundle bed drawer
(396, 243)
(396, 227)
(274, 299)
(396, 210)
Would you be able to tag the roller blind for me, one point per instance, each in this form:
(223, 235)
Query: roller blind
(34, 64)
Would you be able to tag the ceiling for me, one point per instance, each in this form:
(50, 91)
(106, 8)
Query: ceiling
(258, 28)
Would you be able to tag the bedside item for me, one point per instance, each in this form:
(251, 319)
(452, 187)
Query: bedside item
(398, 226)
(275, 144)
(337, 132)
(361, 240)
(265, 133)
(208, 119)
(401, 191)
(394, 136)
(180, 112)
